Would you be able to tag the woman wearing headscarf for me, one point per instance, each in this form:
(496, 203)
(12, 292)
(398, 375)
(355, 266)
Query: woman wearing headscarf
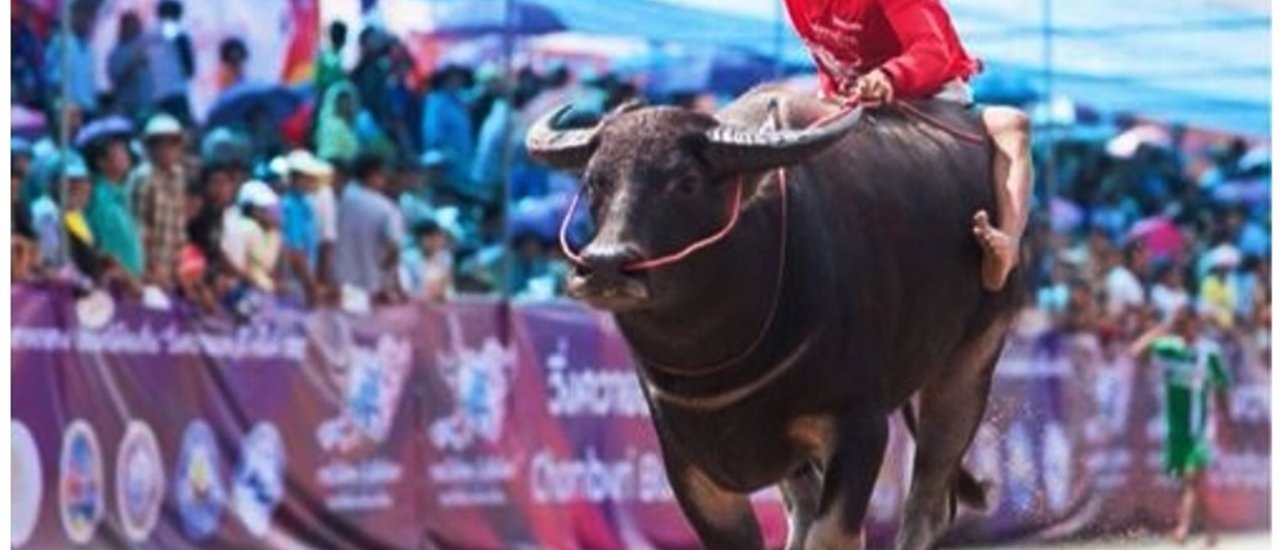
(336, 128)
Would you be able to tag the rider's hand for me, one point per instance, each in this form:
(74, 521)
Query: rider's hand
(874, 88)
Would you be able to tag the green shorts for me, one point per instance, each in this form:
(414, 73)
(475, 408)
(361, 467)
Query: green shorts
(1186, 456)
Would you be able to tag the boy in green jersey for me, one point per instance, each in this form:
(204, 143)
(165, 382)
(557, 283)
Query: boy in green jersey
(1191, 367)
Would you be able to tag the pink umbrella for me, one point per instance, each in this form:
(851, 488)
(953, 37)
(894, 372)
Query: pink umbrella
(1126, 144)
(1159, 235)
(1064, 215)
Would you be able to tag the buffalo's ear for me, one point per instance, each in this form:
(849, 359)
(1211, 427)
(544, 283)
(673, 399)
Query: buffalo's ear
(737, 150)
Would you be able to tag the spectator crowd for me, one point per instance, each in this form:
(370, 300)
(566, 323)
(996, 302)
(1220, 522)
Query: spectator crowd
(396, 186)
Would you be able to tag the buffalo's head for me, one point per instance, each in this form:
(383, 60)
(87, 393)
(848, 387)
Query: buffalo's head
(658, 179)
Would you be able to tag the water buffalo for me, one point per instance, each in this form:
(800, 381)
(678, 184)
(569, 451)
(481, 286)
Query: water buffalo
(777, 354)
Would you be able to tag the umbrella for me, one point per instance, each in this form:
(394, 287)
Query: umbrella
(1064, 215)
(469, 19)
(540, 216)
(1127, 144)
(27, 122)
(236, 104)
(1258, 159)
(102, 129)
(1158, 235)
(1243, 191)
(1223, 255)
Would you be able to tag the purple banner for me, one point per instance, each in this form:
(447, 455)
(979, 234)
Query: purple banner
(482, 425)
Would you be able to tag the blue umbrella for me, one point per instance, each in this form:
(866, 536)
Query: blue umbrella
(102, 129)
(468, 19)
(239, 102)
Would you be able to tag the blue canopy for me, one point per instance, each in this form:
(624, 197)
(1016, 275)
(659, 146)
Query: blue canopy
(1203, 63)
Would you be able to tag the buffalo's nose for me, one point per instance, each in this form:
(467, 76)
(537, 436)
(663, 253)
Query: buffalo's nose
(607, 261)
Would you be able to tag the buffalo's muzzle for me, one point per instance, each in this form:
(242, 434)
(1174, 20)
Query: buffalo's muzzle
(603, 281)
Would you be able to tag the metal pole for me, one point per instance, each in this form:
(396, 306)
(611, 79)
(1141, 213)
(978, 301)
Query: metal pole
(777, 40)
(64, 127)
(508, 92)
(1050, 170)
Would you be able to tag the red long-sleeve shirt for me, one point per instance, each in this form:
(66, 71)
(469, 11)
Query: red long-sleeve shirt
(913, 41)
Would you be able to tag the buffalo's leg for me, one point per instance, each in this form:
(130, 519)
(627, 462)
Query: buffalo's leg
(951, 408)
(723, 519)
(847, 481)
(800, 494)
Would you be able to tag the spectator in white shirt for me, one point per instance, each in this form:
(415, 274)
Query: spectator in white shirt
(1123, 288)
(426, 270)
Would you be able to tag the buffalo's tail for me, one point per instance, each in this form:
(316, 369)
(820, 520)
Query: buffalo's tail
(967, 489)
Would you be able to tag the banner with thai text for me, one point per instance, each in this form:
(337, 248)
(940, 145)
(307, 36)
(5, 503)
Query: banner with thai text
(486, 425)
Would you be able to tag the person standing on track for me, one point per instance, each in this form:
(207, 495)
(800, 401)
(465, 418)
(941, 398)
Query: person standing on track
(1191, 366)
(879, 51)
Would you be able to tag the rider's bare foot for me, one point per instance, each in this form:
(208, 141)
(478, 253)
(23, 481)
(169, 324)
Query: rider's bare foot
(999, 252)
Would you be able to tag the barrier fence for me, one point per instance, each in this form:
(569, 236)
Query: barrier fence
(481, 424)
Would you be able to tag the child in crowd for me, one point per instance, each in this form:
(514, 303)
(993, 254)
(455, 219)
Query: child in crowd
(426, 269)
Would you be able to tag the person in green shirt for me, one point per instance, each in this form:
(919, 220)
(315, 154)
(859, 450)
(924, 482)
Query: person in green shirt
(1192, 368)
(108, 214)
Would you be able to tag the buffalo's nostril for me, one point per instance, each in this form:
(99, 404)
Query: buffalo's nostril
(607, 260)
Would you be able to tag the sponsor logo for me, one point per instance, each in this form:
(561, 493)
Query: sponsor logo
(139, 481)
(258, 486)
(80, 502)
(371, 396)
(480, 381)
(95, 310)
(198, 487)
(27, 490)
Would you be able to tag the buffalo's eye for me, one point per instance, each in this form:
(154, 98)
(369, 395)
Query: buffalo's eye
(686, 185)
(597, 184)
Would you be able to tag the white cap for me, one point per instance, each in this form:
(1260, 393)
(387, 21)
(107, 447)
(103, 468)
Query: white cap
(433, 157)
(279, 166)
(1225, 255)
(75, 168)
(303, 162)
(258, 194)
(162, 125)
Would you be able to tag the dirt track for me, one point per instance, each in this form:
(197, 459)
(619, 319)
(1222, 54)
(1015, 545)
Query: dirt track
(1258, 541)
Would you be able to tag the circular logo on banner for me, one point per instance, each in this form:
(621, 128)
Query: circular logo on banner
(80, 499)
(259, 479)
(95, 310)
(139, 481)
(198, 487)
(27, 478)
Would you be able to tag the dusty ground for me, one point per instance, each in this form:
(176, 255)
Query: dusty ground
(1258, 541)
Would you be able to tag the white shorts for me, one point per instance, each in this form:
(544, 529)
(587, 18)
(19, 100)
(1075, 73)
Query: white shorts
(957, 91)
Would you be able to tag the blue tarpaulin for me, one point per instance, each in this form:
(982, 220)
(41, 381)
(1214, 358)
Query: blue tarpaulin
(1204, 63)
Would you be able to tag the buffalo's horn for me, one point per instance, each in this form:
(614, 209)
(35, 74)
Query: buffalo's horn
(747, 150)
(568, 148)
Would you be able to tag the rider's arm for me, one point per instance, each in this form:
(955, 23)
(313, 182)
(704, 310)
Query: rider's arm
(922, 67)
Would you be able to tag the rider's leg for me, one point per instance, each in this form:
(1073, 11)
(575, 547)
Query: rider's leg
(1011, 132)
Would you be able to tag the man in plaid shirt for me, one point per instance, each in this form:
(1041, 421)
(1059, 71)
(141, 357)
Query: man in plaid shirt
(157, 190)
